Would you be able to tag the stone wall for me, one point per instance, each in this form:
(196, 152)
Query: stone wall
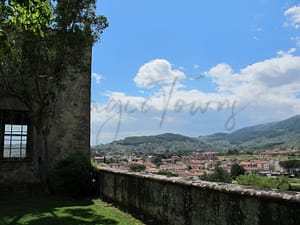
(69, 129)
(71, 126)
(177, 202)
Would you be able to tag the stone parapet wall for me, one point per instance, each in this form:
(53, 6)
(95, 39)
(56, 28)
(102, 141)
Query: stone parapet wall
(176, 201)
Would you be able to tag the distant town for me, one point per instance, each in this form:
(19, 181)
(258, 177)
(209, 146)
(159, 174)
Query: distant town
(198, 163)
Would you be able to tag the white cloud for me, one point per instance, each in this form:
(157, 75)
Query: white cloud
(296, 40)
(289, 52)
(293, 15)
(97, 77)
(223, 76)
(269, 83)
(157, 71)
(275, 72)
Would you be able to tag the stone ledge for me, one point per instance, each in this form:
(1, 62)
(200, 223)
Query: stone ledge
(265, 193)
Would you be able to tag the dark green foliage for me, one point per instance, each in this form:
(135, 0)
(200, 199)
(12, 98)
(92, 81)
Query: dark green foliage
(290, 164)
(75, 176)
(293, 166)
(30, 16)
(137, 167)
(219, 175)
(75, 16)
(265, 182)
(236, 170)
(111, 160)
(233, 152)
(157, 160)
(26, 15)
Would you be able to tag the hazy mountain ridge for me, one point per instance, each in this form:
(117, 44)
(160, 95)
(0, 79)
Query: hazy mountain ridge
(282, 134)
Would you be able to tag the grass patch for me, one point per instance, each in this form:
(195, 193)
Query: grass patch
(48, 210)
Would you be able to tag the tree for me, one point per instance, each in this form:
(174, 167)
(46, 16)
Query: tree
(39, 40)
(290, 165)
(137, 167)
(31, 15)
(219, 175)
(236, 170)
(232, 152)
(157, 160)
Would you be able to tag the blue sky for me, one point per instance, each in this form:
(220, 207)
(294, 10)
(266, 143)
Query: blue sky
(194, 67)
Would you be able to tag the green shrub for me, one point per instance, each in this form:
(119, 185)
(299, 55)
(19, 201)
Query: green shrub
(137, 167)
(75, 176)
(219, 175)
(265, 182)
(236, 170)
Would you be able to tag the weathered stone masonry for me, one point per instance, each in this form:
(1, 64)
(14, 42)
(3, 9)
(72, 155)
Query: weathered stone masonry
(177, 202)
(70, 130)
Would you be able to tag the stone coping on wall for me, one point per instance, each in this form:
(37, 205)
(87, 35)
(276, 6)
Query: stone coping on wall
(265, 193)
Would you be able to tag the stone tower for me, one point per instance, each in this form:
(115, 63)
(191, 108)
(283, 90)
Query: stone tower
(69, 128)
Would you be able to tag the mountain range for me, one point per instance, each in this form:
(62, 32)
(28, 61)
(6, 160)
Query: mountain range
(275, 135)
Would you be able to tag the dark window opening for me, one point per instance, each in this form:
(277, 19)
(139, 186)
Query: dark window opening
(14, 134)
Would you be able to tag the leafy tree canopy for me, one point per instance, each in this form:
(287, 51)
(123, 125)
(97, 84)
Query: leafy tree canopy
(236, 170)
(40, 17)
(290, 164)
(219, 175)
(137, 167)
(26, 15)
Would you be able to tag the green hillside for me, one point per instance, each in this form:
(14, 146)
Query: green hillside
(282, 134)
(155, 144)
(276, 135)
